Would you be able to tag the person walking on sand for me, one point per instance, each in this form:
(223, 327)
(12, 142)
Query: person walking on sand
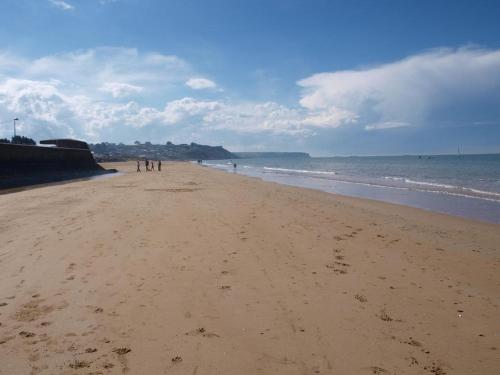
(159, 165)
(152, 165)
(138, 166)
(147, 165)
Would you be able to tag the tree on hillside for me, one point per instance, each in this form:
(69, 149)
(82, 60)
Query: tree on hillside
(4, 140)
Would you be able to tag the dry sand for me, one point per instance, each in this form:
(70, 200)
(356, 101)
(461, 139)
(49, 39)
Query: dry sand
(196, 271)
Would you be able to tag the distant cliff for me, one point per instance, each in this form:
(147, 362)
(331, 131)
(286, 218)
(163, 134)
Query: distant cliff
(115, 152)
(251, 155)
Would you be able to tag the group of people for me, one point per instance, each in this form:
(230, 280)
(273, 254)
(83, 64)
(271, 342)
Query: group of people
(150, 165)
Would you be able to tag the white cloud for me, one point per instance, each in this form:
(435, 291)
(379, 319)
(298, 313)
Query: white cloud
(47, 111)
(118, 89)
(84, 93)
(200, 83)
(62, 4)
(387, 125)
(104, 93)
(330, 117)
(416, 91)
(80, 93)
(269, 117)
(88, 69)
(178, 110)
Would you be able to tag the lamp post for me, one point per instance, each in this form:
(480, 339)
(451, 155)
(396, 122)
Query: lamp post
(16, 119)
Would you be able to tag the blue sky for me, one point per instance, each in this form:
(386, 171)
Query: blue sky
(326, 77)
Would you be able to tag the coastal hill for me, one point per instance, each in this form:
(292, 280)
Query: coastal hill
(118, 152)
(252, 155)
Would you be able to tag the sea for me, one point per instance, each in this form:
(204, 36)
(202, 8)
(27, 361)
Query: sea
(460, 185)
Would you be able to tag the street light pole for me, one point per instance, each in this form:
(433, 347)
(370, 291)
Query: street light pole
(16, 119)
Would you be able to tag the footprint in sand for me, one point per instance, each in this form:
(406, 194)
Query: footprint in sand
(342, 264)
(413, 342)
(26, 334)
(361, 298)
(201, 332)
(177, 359)
(384, 316)
(33, 310)
(77, 364)
(3, 340)
(122, 351)
(378, 370)
(336, 269)
(435, 369)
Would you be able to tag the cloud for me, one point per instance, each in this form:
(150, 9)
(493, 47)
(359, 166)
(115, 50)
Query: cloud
(178, 110)
(332, 117)
(387, 125)
(267, 117)
(88, 69)
(200, 83)
(118, 89)
(88, 93)
(118, 94)
(47, 111)
(62, 4)
(442, 85)
(81, 93)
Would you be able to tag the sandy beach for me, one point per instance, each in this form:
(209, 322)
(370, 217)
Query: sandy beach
(196, 271)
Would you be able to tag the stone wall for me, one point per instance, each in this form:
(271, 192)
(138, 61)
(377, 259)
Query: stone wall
(16, 159)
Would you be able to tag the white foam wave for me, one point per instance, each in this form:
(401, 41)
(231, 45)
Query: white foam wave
(447, 187)
(306, 171)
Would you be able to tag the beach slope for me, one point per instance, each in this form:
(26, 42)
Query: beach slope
(197, 271)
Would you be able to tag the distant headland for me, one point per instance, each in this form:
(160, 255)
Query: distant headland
(120, 152)
(106, 151)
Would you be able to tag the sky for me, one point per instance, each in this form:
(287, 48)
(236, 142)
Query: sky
(320, 76)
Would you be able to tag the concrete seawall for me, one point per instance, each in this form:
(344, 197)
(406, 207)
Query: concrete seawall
(23, 165)
(16, 159)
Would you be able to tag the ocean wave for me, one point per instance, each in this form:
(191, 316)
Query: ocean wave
(439, 186)
(225, 166)
(424, 183)
(471, 196)
(306, 171)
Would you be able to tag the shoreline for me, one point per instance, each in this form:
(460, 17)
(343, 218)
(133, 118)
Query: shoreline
(454, 204)
(193, 270)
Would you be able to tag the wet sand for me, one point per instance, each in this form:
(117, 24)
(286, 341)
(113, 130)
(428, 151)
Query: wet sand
(196, 271)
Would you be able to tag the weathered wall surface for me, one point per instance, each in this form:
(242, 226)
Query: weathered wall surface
(31, 159)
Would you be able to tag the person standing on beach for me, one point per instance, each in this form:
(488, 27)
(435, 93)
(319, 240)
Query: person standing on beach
(138, 166)
(159, 165)
(152, 165)
(147, 165)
